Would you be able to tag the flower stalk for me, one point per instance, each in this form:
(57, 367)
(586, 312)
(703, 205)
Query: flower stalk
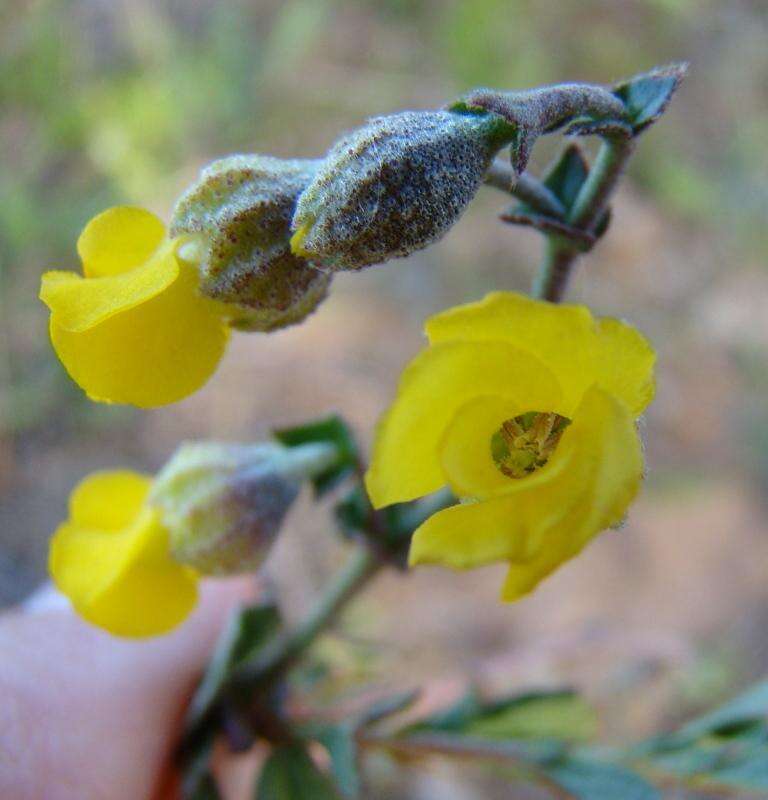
(362, 565)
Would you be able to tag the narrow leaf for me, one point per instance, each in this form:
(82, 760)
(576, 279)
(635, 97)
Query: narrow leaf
(748, 707)
(567, 175)
(647, 96)
(556, 715)
(290, 774)
(589, 780)
(339, 741)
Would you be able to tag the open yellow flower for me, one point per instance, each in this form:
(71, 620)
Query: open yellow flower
(527, 411)
(112, 558)
(134, 328)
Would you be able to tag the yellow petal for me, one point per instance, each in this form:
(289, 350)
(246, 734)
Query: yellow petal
(151, 354)
(406, 459)
(561, 336)
(625, 363)
(511, 525)
(603, 476)
(578, 349)
(468, 535)
(78, 304)
(120, 578)
(549, 516)
(110, 499)
(119, 239)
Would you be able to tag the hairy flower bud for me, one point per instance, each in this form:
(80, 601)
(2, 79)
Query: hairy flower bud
(242, 207)
(394, 186)
(223, 504)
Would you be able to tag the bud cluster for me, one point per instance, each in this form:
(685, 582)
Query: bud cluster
(272, 232)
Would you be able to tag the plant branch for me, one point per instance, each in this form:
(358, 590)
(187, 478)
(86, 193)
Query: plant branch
(360, 568)
(586, 213)
(525, 187)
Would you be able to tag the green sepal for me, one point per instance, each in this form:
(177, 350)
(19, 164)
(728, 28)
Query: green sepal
(290, 774)
(646, 96)
(333, 430)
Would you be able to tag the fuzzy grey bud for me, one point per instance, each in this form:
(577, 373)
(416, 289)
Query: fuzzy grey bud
(223, 504)
(242, 207)
(394, 186)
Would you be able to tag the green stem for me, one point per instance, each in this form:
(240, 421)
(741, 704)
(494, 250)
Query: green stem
(360, 568)
(591, 203)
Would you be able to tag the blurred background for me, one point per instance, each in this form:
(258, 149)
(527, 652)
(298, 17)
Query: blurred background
(122, 101)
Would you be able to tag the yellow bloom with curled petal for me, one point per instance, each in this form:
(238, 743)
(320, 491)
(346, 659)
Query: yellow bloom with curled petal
(134, 328)
(112, 558)
(527, 410)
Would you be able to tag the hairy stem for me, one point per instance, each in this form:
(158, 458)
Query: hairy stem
(552, 279)
(360, 568)
(525, 187)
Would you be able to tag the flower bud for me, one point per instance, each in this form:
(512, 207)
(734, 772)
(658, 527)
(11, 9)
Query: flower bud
(223, 504)
(394, 186)
(242, 207)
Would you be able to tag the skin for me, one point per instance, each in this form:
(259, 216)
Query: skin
(87, 716)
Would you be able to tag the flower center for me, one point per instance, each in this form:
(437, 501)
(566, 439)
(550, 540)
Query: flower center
(525, 443)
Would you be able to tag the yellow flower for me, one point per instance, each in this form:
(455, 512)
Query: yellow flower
(134, 329)
(527, 411)
(112, 558)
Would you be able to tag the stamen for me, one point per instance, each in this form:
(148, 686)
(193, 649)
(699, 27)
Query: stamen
(525, 443)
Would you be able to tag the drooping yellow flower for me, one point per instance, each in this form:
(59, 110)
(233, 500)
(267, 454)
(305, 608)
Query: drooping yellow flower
(134, 328)
(131, 553)
(527, 411)
(112, 558)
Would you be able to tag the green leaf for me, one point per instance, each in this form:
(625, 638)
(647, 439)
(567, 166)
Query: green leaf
(339, 741)
(247, 631)
(591, 780)
(567, 175)
(334, 430)
(353, 512)
(386, 707)
(559, 715)
(290, 774)
(750, 773)
(646, 96)
(749, 707)
(727, 747)
(197, 782)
